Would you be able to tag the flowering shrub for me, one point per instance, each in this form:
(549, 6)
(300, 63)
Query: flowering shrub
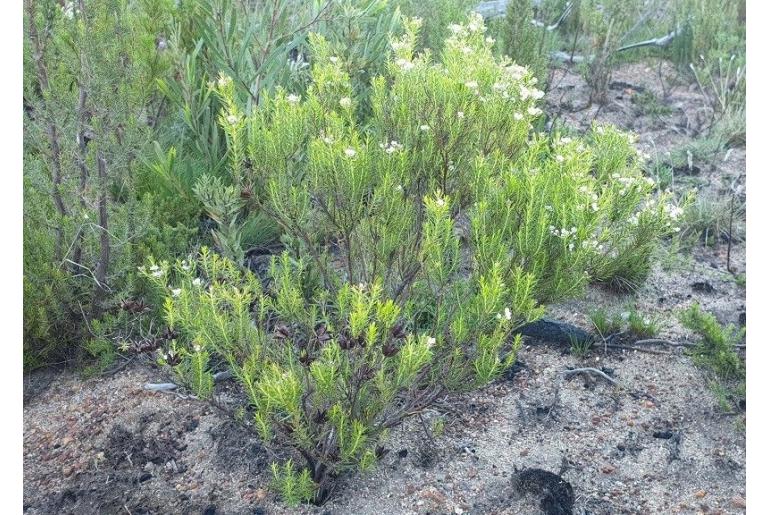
(417, 242)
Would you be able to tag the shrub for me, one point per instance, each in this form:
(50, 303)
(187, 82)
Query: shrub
(417, 242)
(89, 86)
(525, 43)
(272, 43)
(716, 349)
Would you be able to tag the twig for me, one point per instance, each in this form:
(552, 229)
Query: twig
(589, 370)
(596, 371)
(160, 387)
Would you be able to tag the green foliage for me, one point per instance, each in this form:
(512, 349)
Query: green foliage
(437, 15)
(632, 218)
(642, 326)
(716, 349)
(605, 323)
(294, 486)
(707, 220)
(580, 348)
(89, 89)
(525, 43)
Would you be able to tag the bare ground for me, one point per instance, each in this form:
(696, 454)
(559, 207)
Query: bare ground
(655, 443)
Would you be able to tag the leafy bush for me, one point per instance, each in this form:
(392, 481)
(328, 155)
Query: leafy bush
(417, 241)
(525, 43)
(716, 349)
(89, 89)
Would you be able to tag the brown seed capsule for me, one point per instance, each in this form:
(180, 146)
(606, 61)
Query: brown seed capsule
(282, 332)
(390, 349)
(322, 334)
(398, 331)
(346, 343)
(320, 416)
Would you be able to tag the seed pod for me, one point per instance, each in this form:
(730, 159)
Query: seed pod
(281, 332)
(322, 334)
(397, 331)
(380, 451)
(346, 343)
(320, 416)
(169, 334)
(390, 349)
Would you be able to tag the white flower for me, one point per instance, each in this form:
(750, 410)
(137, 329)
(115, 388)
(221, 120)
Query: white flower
(460, 115)
(292, 98)
(508, 314)
(404, 64)
(393, 146)
(333, 59)
(327, 140)
(175, 292)
(350, 152)
(559, 158)
(455, 28)
(399, 188)
(489, 40)
(158, 273)
(516, 71)
(197, 348)
(185, 266)
(154, 268)
(518, 116)
(431, 341)
(197, 281)
(424, 128)
(232, 119)
(224, 80)
(466, 50)
(472, 84)
(345, 102)
(476, 23)
(534, 111)
(397, 46)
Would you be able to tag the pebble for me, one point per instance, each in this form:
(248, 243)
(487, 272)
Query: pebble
(738, 502)
(700, 494)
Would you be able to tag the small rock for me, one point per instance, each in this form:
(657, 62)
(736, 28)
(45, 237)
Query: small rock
(703, 287)
(608, 469)
(700, 494)
(67, 471)
(738, 502)
(146, 476)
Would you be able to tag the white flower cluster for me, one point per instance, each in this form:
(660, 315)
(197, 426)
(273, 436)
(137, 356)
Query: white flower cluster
(404, 64)
(476, 23)
(350, 152)
(673, 211)
(345, 102)
(399, 44)
(393, 146)
(593, 244)
(562, 233)
(506, 314)
(525, 93)
(293, 99)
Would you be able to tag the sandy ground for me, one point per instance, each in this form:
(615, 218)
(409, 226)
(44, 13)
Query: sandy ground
(657, 442)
